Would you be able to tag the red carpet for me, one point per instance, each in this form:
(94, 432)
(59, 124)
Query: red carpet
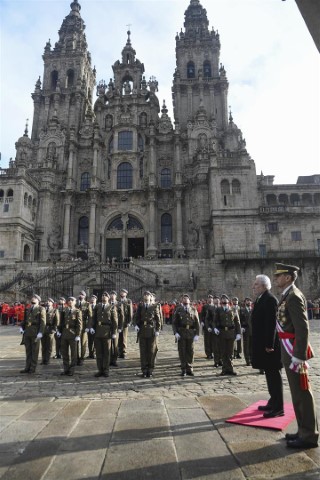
(252, 417)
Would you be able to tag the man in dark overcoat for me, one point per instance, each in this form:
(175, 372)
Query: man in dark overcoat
(266, 353)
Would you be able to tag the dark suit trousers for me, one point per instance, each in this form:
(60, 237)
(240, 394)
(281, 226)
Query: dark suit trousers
(275, 389)
(32, 352)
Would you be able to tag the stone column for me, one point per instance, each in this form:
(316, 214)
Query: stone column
(66, 225)
(92, 224)
(179, 245)
(152, 249)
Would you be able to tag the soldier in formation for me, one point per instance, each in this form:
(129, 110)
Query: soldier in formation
(148, 325)
(186, 329)
(104, 326)
(127, 309)
(33, 328)
(70, 329)
(52, 322)
(86, 314)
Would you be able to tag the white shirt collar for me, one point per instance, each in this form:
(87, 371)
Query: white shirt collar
(287, 288)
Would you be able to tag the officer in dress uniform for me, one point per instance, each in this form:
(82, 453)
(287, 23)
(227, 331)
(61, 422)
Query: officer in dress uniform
(227, 326)
(293, 331)
(33, 328)
(237, 349)
(115, 341)
(246, 329)
(147, 326)
(86, 314)
(52, 321)
(127, 320)
(103, 326)
(70, 329)
(186, 329)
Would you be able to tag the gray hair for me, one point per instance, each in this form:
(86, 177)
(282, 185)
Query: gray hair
(264, 280)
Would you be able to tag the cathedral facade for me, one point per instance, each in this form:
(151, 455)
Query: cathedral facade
(106, 175)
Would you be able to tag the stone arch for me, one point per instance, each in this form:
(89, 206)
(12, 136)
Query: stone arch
(26, 253)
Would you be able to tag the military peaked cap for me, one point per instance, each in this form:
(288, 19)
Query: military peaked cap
(34, 295)
(50, 300)
(83, 293)
(124, 290)
(72, 298)
(186, 295)
(113, 292)
(94, 296)
(106, 294)
(62, 298)
(147, 292)
(282, 268)
(225, 296)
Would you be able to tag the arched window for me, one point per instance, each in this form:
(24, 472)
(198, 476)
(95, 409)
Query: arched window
(165, 178)
(271, 199)
(283, 199)
(110, 146)
(2, 194)
(207, 69)
(124, 176)
(140, 143)
(85, 181)
(54, 79)
(10, 192)
(295, 199)
(134, 223)
(29, 201)
(191, 70)
(116, 224)
(225, 186)
(125, 140)
(26, 253)
(70, 78)
(25, 199)
(83, 231)
(166, 228)
(236, 188)
(34, 203)
(109, 122)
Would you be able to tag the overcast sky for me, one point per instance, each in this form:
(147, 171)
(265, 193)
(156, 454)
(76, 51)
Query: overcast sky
(271, 62)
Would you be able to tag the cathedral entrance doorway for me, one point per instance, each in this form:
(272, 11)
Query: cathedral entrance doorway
(124, 238)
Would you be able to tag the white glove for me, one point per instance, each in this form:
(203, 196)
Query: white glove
(216, 331)
(209, 330)
(113, 336)
(77, 338)
(58, 334)
(137, 329)
(92, 331)
(119, 330)
(238, 337)
(177, 336)
(196, 338)
(87, 330)
(202, 324)
(21, 330)
(39, 335)
(157, 334)
(243, 330)
(295, 364)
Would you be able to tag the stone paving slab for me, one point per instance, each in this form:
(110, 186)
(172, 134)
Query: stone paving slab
(125, 427)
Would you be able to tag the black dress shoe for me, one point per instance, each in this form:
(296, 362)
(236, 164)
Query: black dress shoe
(70, 374)
(113, 364)
(291, 436)
(299, 443)
(190, 373)
(216, 365)
(25, 370)
(223, 374)
(273, 413)
(183, 373)
(105, 374)
(261, 372)
(238, 355)
(231, 373)
(80, 362)
(64, 373)
(98, 374)
(264, 408)
(144, 375)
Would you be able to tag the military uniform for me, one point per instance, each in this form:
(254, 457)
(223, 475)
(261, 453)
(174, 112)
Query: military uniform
(115, 341)
(228, 324)
(86, 314)
(91, 335)
(207, 336)
(34, 323)
(61, 308)
(105, 324)
(127, 319)
(214, 339)
(52, 321)
(148, 322)
(293, 320)
(186, 324)
(70, 328)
